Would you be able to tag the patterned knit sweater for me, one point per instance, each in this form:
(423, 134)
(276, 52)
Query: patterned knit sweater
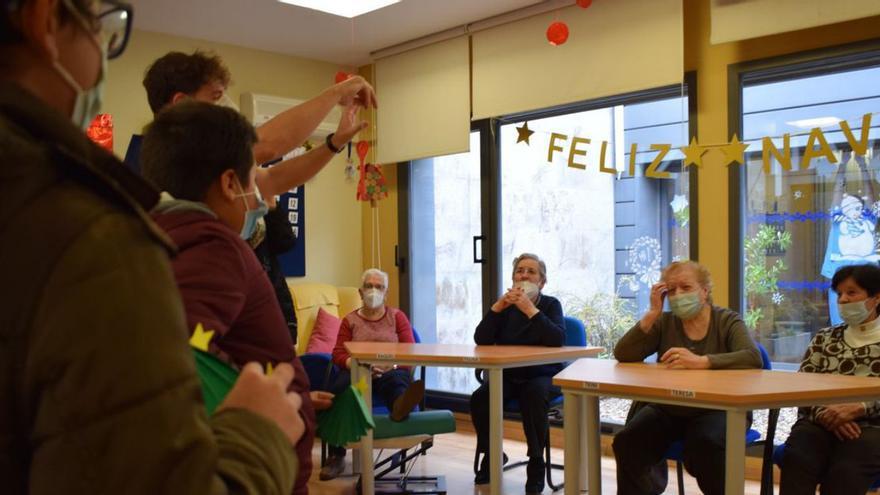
(845, 350)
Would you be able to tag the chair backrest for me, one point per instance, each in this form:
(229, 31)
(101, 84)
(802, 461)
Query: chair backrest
(765, 357)
(575, 334)
(309, 297)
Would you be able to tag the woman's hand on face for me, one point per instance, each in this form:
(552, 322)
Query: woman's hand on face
(503, 302)
(519, 299)
(683, 359)
(658, 292)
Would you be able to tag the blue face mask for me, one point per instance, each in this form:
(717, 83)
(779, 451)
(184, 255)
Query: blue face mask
(251, 217)
(685, 306)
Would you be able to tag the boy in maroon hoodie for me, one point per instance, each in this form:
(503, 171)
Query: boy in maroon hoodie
(200, 156)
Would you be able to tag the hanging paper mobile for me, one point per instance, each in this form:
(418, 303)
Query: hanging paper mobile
(349, 166)
(347, 420)
(363, 147)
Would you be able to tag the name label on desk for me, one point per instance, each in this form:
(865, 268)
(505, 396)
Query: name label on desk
(683, 394)
(384, 356)
(470, 359)
(591, 385)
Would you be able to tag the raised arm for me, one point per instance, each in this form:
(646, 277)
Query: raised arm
(291, 128)
(280, 178)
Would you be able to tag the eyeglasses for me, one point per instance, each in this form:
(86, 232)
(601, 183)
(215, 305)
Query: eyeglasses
(115, 21)
(110, 20)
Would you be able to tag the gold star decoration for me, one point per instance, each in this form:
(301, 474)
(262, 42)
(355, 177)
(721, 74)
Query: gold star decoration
(524, 133)
(200, 338)
(734, 152)
(361, 385)
(693, 153)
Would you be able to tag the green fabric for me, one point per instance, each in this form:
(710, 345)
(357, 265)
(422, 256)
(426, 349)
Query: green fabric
(217, 379)
(418, 423)
(347, 420)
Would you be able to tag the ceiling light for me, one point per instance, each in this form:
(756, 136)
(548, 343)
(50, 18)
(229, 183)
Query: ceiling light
(343, 8)
(817, 122)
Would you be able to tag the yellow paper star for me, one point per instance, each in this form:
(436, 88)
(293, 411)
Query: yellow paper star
(361, 385)
(524, 133)
(200, 338)
(269, 369)
(693, 153)
(734, 152)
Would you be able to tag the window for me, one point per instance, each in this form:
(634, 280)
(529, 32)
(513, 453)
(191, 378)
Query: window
(446, 284)
(799, 226)
(604, 235)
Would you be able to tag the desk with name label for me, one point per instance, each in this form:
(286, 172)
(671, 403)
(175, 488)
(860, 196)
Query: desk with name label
(492, 358)
(733, 391)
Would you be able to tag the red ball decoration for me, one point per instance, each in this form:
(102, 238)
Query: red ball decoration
(557, 33)
(341, 76)
(584, 3)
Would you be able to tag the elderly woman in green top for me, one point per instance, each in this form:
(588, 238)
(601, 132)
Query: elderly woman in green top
(694, 335)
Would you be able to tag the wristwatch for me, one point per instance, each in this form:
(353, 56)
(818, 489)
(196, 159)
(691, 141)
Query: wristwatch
(329, 142)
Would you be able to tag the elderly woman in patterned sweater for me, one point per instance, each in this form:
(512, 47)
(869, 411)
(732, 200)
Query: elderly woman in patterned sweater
(374, 322)
(838, 446)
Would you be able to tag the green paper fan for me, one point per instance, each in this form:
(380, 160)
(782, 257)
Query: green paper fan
(217, 378)
(347, 420)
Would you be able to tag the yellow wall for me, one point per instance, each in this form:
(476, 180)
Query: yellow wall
(711, 64)
(333, 217)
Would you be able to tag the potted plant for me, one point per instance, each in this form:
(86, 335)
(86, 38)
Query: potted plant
(761, 277)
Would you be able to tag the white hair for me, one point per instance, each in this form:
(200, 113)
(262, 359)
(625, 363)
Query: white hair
(375, 272)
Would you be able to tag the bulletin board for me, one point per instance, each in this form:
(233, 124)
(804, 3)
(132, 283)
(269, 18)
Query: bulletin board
(293, 262)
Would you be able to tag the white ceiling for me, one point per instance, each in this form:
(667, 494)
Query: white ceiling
(278, 27)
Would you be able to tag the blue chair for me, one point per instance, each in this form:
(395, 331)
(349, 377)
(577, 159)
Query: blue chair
(675, 452)
(575, 335)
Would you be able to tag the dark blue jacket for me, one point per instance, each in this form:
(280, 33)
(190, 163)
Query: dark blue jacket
(512, 327)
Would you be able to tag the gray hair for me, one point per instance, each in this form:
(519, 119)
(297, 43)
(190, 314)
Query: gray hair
(374, 272)
(704, 278)
(542, 267)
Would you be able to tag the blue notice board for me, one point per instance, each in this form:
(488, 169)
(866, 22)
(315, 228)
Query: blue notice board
(293, 262)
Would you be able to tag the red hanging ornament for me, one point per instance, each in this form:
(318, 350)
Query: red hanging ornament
(584, 3)
(101, 130)
(557, 33)
(341, 76)
(363, 147)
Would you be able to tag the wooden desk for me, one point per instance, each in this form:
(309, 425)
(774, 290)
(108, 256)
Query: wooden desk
(490, 357)
(734, 391)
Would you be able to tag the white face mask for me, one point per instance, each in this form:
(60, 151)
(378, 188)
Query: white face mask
(531, 290)
(373, 298)
(88, 102)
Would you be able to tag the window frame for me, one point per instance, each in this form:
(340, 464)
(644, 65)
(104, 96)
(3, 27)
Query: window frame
(809, 63)
(490, 174)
